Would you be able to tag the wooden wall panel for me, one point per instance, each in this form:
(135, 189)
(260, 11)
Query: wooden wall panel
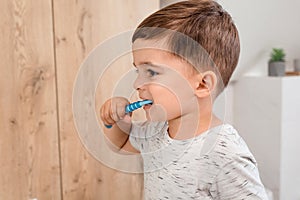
(79, 26)
(29, 156)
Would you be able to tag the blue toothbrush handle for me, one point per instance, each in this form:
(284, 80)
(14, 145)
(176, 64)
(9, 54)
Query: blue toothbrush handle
(132, 107)
(136, 105)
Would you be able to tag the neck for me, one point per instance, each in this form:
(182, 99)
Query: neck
(192, 124)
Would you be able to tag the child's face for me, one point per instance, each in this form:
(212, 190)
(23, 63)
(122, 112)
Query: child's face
(165, 79)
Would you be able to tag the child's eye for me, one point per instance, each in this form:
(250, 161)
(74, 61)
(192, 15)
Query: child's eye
(150, 72)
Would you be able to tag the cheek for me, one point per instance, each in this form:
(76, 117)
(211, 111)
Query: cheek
(166, 105)
(163, 96)
(172, 93)
(172, 99)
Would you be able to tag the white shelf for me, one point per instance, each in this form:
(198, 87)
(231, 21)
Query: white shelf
(267, 114)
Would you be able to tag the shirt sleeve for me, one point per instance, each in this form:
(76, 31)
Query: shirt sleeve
(239, 179)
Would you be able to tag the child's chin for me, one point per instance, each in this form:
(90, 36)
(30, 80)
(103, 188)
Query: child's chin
(156, 114)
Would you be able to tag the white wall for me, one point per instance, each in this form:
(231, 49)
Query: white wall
(263, 25)
(164, 3)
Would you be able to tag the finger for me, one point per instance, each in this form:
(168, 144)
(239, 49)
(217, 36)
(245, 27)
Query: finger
(107, 115)
(113, 113)
(102, 113)
(127, 119)
(121, 110)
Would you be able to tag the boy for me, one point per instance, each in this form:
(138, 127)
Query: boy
(188, 152)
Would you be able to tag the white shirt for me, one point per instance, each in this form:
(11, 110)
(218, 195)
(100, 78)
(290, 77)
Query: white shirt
(217, 164)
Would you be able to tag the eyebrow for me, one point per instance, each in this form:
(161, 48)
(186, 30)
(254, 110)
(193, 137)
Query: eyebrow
(147, 63)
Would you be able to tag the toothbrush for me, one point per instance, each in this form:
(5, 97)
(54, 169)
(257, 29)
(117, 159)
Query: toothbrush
(132, 107)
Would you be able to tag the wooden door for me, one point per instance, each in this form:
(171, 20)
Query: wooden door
(29, 145)
(43, 44)
(79, 27)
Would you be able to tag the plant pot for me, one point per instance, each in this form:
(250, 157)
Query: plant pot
(276, 68)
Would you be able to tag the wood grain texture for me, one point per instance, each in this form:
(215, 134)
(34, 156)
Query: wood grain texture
(29, 156)
(79, 27)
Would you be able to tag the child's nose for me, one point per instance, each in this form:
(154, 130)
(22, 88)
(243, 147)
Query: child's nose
(139, 82)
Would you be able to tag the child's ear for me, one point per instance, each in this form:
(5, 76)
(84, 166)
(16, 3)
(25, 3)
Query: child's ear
(205, 84)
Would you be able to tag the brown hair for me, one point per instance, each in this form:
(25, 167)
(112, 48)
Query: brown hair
(205, 22)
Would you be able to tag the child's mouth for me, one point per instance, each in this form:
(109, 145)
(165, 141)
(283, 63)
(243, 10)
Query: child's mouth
(147, 107)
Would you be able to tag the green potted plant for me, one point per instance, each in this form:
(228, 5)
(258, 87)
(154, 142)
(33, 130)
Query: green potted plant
(277, 63)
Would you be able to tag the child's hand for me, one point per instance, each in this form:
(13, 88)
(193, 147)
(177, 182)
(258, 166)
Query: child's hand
(113, 110)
